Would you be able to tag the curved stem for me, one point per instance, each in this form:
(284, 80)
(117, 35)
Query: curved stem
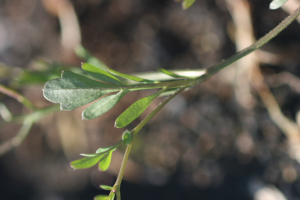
(134, 132)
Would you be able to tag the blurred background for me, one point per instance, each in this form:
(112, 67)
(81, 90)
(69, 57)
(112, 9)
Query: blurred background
(234, 137)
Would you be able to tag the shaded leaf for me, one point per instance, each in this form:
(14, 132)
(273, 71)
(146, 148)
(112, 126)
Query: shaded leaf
(105, 162)
(130, 77)
(135, 110)
(86, 162)
(100, 74)
(126, 137)
(106, 187)
(102, 106)
(81, 52)
(73, 90)
(102, 197)
(187, 3)
(275, 4)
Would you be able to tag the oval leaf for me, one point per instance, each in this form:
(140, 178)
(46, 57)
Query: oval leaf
(73, 90)
(130, 77)
(102, 106)
(187, 3)
(86, 162)
(101, 197)
(135, 110)
(100, 74)
(106, 187)
(275, 4)
(105, 162)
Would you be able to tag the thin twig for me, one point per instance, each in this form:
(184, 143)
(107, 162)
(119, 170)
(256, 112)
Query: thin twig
(20, 98)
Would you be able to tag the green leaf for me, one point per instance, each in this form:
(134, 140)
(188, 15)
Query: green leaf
(106, 187)
(130, 77)
(135, 110)
(277, 4)
(106, 149)
(86, 162)
(126, 137)
(112, 196)
(187, 3)
(100, 74)
(102, 106)
(105, 162)
(172, 74)
(73, 90)
(81, 52)
(102, 197)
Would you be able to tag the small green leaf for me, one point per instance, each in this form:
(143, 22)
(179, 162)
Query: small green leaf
(135, 110)
(81, 52)
(73, 90)
(126, 137)
(102, 106)
(107, 149)
(86, 162)
(112, 196)
(172, 74)
(106, 187)
(100, 74)
(130, 77)
(102, 197)
(187, 3)
(277, 4)
(105, 162)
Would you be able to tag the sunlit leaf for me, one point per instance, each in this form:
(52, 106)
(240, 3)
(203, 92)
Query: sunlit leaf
(102, 106)
(102, 197)
(100, 74)
(86, 162)
(275, 4)
(130, 77)
(106, 187)
(73, 90)
(106, 149)
(112, 196)
(172, 74)
(135, 110)
(187, 3)
(84, 54)
(105, 162)
(126, 137)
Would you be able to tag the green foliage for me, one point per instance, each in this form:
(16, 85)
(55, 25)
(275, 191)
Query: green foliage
(103, 155)
(73, 90)
(135, 110)
(172, 74)
(105, 162)
(187, 3)
(103, 105)
(100, 74)
(275, 4)
(106, 187)
(130, 77)
(101, 197)
(126, 137)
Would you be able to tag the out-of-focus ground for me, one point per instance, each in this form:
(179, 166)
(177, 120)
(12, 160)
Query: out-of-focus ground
(205, 144)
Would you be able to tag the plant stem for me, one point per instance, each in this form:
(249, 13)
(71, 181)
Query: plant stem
(20, 98)
(224, 63)
(134, 132)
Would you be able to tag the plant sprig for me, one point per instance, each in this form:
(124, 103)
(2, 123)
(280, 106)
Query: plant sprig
(74, 90)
